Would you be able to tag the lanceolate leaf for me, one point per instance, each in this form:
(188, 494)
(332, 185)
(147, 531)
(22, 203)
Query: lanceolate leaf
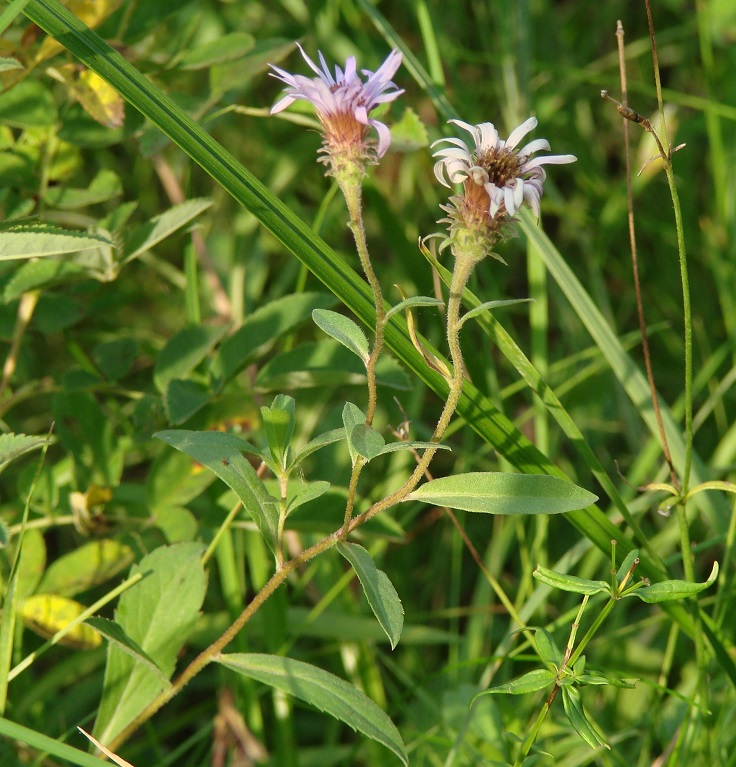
(344, 330)
(539, 679)
(12, 446)
(503, 493)
(323, 690)
(221, 453)
(379, 590)
(575, 713)
(668, 590)
(570, 582)
(37, 241)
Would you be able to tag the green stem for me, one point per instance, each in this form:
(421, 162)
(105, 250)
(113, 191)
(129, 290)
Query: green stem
(352, 192)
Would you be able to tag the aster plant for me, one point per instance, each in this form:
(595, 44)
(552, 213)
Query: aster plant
(343, 104)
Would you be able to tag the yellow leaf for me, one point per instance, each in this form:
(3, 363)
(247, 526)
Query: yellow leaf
(91, 12)
(99, 99)
(48, 614)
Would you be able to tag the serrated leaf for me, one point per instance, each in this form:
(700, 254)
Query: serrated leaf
(221, 453)
(309, 493)
(40, 241)
(158, 614)
(83, 568)
(378, 589)
(669, 590)
(572, 583)
(160, 227)
(343, 330)
(547, 648)
(13, 446)
(576, 715)
(114, 634)
(533, 681)
(47, 614)
(322, 690)
(504, 493)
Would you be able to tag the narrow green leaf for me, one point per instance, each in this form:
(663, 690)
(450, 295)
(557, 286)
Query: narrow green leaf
(393, 447)
(547, 648)
(489, 305)
(309, 493)
(533, 681)
(669, 590)
(413, 302)
(328, 438)
(221, 453)
(158, 614)
(114, 634)
(39, 241)
(279, 421)
(565, 582)
(322, 690)
(160, 227)
(504, 493)
(598, 678)
(378, 589)
(344, 330)
(627, 564)
(576, 715)
(46, 745)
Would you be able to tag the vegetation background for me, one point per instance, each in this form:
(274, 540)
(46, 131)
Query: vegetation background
(106, 336)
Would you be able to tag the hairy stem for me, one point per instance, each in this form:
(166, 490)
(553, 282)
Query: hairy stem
(463, 269)
(352, 192)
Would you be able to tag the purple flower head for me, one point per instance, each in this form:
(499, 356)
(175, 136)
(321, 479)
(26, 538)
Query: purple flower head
(497, 177)
(344, 102)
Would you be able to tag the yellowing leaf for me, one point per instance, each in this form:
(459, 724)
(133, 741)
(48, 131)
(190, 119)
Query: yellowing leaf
(91, 12)
(99, 99)
(47, 614)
